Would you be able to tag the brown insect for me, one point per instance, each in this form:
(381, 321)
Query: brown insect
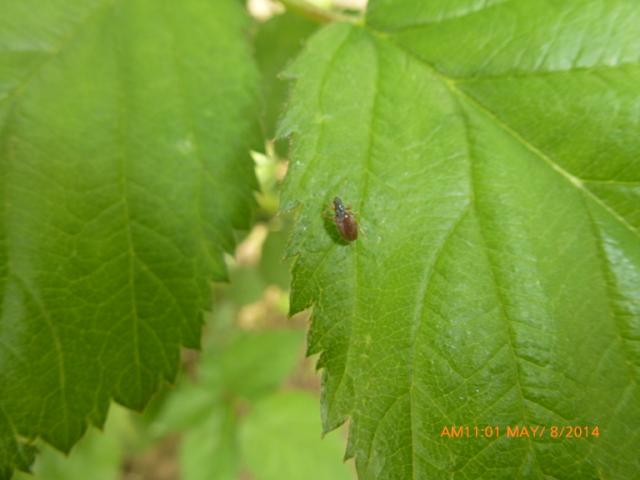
(345, 220)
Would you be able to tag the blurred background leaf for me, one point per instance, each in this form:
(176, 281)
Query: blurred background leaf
(281, 440)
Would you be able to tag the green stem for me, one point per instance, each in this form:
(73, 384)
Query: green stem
(317, 14)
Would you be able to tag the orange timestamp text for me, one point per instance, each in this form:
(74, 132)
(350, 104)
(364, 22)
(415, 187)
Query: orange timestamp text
(554, 432)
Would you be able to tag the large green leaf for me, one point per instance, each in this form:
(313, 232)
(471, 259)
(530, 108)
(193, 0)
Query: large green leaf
(124, 136)
(491, 153)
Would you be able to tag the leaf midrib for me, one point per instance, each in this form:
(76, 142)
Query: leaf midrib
(516, 74)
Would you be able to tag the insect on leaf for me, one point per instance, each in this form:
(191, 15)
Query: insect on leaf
(491, 152)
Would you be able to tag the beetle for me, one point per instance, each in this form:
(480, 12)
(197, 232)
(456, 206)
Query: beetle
(345, 220)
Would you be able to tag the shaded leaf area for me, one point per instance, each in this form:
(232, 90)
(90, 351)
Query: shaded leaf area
(124, 132)
(496, 280)
(277, 42)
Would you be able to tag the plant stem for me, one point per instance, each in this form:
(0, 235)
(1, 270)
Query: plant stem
(317, 14)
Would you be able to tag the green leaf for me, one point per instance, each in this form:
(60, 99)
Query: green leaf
(490, 152)
(232, 376)
(124, 132)
(280, 441)
(243, 367)
(184, 408)
(209, 450)
(251, 364)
